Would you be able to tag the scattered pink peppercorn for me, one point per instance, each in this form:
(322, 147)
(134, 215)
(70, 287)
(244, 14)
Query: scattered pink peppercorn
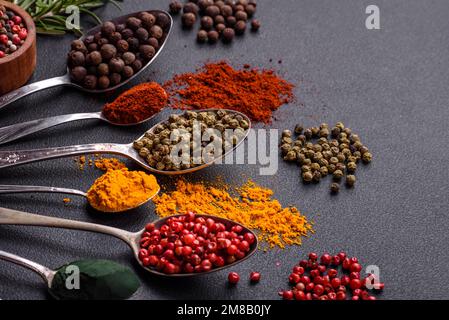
(254, 277)
(233, 278)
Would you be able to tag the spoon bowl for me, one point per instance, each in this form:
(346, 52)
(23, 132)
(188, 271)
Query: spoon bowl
(14, 158)
(13, 217)
(65, 79)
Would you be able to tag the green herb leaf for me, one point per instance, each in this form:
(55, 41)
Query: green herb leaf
(99, 280)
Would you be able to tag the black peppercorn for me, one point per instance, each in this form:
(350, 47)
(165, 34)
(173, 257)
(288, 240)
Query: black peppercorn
(213, 36)
(103, 69)
(90, 82)
(108, 51)
(76, 58)
(207, 22)
(201, 36)
(122, 45)
(127, 33)
(133, 23)
(108, 28)
(142, 34)
(115, 79)
(103, 82)
(115, 36)
(116, 65)
(78, 74)
(153, 42)
(175, 7)
(231, 21)
(228, 34)
(93, 58)
(127, 72)
(128, 57)
(255, 25)
(156, 32)
(148, 20)
(240, 27)
(147, 51)
(226, 11)
(188, 20)
(133, 44)
(212, 11)
(191, 7)
(137, 65)
(163, 20)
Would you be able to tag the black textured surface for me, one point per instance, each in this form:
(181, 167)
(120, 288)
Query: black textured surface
(389, 86)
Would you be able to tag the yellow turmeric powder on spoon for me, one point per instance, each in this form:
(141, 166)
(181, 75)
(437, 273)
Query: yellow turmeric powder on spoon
(121, 190)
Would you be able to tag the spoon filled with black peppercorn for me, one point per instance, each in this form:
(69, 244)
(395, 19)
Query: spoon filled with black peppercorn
(109, 55)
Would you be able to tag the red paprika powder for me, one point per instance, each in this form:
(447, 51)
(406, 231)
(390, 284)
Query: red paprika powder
(256, 93)
(136, 104)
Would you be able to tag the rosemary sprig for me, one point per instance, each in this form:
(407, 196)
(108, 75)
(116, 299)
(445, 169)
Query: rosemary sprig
(50, 15)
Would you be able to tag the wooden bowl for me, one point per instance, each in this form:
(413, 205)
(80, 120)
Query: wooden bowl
(17, 68)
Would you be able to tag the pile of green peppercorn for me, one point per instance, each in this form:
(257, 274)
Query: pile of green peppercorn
(219, 18)
(338, 156)
(118, 51)
(158, 143)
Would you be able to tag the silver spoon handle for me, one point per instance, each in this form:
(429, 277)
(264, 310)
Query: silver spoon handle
(15, 158)
(16, 131)
(46, 273)
(5, 189)
(31, 88)
(13, 217)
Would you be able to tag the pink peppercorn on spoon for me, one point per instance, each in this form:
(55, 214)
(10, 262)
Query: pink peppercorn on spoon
(65, 79)
(132, 239)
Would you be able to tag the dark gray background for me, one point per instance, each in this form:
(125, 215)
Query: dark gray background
(389, 86)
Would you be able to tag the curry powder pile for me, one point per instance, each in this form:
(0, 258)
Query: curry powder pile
(254, 207)
(120, 190)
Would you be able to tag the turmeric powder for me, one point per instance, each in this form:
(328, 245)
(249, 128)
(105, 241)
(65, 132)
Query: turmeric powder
(254, 207)
(106, 164)
(121, 190)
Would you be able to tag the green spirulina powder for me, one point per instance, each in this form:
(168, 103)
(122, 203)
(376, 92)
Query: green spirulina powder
(98, 280)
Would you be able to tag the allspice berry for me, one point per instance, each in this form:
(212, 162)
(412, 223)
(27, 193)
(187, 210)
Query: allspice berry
(116, 65)
(115, 79)
(156, 32)
(79, 45)
(153, 42)
(148, 20)
(163, 20)
(76, 58)
(219, 19)
(108, 51)
(90, 82)
(220, 27)
(213, 36)
(191, 7)
(250, 9)
(127, 72)
(147, 51)
(175, 7)
(123, 45)
(142, 34)
(188, 20)
(133, 44)
(137, 65)
(240, 27)
(78, 74)
(241, 15)
(207, 23)
(201, 36)
(128, 57)
(93, 58)
(212, 11)
(133, 23)
(226, 11)
(231, 21)
(228, 34)
(108, 28)
(103, 82)
(115, 36)
(103, 69)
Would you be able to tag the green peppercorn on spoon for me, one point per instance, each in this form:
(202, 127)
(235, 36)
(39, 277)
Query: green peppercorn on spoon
(12, 189)
(65, 79)
(132, 239)
(15, 158)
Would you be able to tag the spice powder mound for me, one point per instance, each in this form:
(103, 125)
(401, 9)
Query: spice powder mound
(256, 93)
(254, 207)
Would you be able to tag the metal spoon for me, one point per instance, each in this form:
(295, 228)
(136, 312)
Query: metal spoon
(20, 130)
(65, 79)
(46, 274)
(14, 158)
(13, 217)
(9, 189)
